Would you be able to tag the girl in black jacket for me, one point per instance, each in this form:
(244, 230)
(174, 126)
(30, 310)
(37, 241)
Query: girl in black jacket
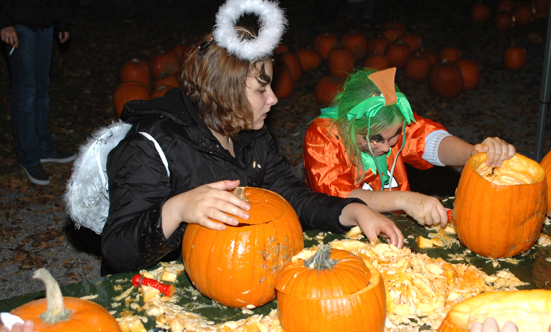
(212, 136)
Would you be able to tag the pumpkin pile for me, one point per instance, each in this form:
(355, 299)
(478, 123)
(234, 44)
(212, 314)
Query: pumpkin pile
(237, 266)
(499, 212)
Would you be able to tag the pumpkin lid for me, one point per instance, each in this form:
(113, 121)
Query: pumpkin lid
(266, 206)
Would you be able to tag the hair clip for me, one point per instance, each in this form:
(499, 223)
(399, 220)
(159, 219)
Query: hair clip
(205, 44)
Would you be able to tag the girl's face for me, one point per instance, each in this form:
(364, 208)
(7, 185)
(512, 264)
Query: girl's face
(260, 94)
(380, 143)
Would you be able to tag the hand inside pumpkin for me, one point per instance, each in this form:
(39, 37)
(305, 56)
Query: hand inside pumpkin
(497, 151)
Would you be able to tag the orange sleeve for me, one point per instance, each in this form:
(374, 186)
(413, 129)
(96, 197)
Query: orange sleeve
(416, 133)
(326, 166)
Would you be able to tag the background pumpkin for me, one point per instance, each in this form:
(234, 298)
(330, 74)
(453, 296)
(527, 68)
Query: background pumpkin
(283, 82)
(546, 164)
(480, 12)
(514, 57)
(341, 61)
(504, 20)
(58, 313)
(377, 61)
(398, 53)
(377, 44)
(450, 54)
(414, 41)
(333, 290)
(293, 63)
(163, 62)
(500, 221)
(417, 67)
(470, 72)
(135, 70)
(446, 79)
(356, 42)
(127, 91)
(309, 59)
(237, 266)
(324, 43)
(327, 88)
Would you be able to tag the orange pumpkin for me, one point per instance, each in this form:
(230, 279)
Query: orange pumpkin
(280, 48)
(160, 90)
(429, 53)
(356, 42)
(325, 42)
(504, 20)
(377, 44)
(398, 53)
(333, 290)
(514, 57)
(392, 33)
(529, 309)
(470, 72)
(327, 88)
(309, 59)
(135, 70)
(546, 164)
(377, 61)
(499, 212)
(237, 266)
(59, 313)
(341, 61)
(417, 67)
(283, 82)
(450, 54)
(540, 8)
(168, 79)
(164, 62)
(505, 5)
(480, 12)
(292, 62)
(127, 91)
(522, 13)
(446, 79)
(182, 49)
(414, 41)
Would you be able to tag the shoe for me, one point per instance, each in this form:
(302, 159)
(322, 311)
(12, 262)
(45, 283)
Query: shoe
(37, 175)
(59, 157)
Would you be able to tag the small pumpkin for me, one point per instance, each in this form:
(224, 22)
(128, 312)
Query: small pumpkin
(377, 44)
(505, 5)
(446, 79)
(480, 12)
(499, 212)
(127, 91)
(504, 20)
(341, 61)
(522, 13)
(471, 73)
(377, 61)
(58, 313)
(327, 88)
(398, 53)
(429, 53)
(309, 59)
(357, 42)
(325, 42)
(528, 309)
(332, 290)
(546, 164)
(450, 54)
(135, 70)
(417, 67)
(283, 82)
(164, 62)
(540, 8)
(514, 57)
(413, 40)
(292, 62)
(392, 33)
(237, 266)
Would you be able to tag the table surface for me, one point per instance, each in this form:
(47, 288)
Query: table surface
(532, 268)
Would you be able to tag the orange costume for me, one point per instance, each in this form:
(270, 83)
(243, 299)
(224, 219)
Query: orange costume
(328, 168)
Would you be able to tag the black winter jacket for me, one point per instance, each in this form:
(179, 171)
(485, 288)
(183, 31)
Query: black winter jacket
(35, 14)
(132, 238)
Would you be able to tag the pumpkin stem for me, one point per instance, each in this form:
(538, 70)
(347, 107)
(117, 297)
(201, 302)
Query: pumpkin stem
(56, 308)
(321, 259)
(240, 192)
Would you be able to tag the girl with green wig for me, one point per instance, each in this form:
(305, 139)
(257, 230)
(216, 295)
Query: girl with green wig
(359, 145)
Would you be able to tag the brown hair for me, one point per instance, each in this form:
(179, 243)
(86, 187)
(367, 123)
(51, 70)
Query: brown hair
(215, 82)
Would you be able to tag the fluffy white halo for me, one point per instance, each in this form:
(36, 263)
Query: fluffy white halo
(272, 24)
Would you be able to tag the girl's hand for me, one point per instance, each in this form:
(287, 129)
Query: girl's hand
(490, 325)
(497, 151)
(28, 326)
(372, 223)
(426, 210)
(210, 205)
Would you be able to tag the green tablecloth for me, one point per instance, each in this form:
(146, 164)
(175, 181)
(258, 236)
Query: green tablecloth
(532, 268)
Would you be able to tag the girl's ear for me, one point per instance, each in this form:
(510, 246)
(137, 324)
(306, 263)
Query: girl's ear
(384, 80)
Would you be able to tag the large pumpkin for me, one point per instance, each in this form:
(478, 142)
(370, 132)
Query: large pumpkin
(546, 164)
(332, 290)
(237, 266)
(57, 313)
(528, 309)
(499, 212)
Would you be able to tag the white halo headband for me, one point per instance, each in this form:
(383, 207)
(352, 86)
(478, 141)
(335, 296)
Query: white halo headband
(272, 24)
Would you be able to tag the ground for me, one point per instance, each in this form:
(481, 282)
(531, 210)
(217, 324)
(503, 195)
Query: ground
(35, 231)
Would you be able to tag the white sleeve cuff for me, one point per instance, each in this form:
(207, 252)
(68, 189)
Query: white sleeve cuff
(432, 142)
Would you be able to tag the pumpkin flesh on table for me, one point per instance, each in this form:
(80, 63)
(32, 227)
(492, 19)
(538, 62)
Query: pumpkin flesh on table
(528, 309)
(499, 212)
(237, 266)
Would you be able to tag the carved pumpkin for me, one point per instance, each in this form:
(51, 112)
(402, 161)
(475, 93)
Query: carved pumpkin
(445, 79)
(377, 61)
(324, 43)
(309, 59)
(164, 62)
(283, 82)
(417, 67)
(327, 88)
(499, 212)
(470, 72)
(546, 164)
(332, 290)
(398, 53)
(135, 70)
(528, 309)
(341, 61)
(356, 42)
(127, 91)
(237, 266)
(514, 57)
(480, 12)
(59, 313)
(292, 62)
